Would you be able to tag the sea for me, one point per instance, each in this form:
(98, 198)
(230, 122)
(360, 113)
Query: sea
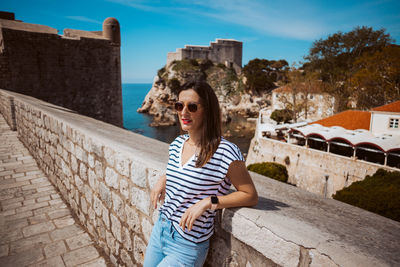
(241, 130)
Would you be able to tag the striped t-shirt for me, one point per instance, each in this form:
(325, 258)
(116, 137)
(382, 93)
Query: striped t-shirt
(186, 185)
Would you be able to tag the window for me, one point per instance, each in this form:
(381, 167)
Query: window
(393, 123)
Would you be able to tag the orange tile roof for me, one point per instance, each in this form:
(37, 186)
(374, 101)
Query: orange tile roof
(349, 119)
(392, 107)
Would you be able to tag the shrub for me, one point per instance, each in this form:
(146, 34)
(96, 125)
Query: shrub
(161, 72)
(379, 193)
(281, 115)
(271, 169)
(186, 65)
(174, 85)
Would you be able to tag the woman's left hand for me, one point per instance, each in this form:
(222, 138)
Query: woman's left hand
(194, 212)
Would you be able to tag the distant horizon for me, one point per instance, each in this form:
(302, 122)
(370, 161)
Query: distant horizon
(150, 29)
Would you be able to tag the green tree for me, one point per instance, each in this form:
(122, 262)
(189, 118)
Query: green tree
(377, 80)
(334, 58)
(262, 73)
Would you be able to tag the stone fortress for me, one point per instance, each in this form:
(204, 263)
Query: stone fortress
(79, 70)
(105, 173)
(225, 51)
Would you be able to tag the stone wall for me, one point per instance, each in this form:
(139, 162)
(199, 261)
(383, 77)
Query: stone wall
(310, 169)
(221, 51)
(105, 174)
(79, 70)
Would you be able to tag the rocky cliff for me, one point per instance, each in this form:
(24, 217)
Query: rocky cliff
(228, 85)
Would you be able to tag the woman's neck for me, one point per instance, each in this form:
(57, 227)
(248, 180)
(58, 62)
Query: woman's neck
(194, 139)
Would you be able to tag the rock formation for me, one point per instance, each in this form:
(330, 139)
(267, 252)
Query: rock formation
(228, 85)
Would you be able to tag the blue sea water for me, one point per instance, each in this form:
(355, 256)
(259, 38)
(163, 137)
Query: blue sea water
(133, 95)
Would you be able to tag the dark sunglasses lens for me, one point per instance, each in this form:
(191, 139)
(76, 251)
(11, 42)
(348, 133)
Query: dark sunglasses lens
(192, 107)
(178, 106)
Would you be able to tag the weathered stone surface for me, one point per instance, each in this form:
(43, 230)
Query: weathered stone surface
(38, 228)
(132, 219)
(138, 174)
(24, 258)
(126, 239)
(80, 256)
(139, 249)
(66, 232)
(116, 227)
(124, 187)
(141, 200)
(126, 258)
(146, 228)
(118, 206)
(105, 195)
(78, 241)
(109, 155)
(55, 249)
(122, 164)
(111, 178)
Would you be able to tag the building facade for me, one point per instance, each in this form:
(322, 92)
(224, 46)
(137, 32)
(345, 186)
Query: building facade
(225, 51)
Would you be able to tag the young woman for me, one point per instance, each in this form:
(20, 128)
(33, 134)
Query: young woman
(202, 166)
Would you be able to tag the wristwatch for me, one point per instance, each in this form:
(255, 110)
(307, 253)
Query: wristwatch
(214, 202)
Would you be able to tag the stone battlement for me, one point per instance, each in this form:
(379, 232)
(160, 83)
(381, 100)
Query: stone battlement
(225, 51)
(79, 70)
(105, 174)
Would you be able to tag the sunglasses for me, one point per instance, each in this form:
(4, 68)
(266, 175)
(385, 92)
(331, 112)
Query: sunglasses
(192, 107)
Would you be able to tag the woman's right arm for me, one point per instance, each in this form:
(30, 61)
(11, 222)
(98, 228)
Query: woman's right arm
(157, 193)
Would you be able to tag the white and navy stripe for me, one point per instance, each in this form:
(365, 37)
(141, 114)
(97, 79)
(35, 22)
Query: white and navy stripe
(186, 185)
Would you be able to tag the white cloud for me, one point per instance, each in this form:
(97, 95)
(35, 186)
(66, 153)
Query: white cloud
(85, 19)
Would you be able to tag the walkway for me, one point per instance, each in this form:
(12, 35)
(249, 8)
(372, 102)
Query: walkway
(36, 226)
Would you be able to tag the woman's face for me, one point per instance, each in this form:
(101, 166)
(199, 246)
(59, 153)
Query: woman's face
(190, 121)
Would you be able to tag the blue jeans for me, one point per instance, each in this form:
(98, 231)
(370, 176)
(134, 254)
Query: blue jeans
(168, 248)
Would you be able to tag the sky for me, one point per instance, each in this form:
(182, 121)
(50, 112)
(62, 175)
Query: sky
(284, 29)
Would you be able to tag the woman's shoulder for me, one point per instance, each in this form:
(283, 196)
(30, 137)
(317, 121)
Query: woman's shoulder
(179, 139)
(225, 144)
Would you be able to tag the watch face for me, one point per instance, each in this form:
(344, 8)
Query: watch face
(214, 200)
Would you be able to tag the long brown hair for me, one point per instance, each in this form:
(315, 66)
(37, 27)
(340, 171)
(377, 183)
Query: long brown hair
(211, 130)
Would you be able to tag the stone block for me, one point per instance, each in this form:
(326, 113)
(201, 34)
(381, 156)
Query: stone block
(152, 177)
(138, 174)
(55, 249)
(139, 249)
(111, 242)
(116, 227)
(97, 206)
(78, 182)
(38, 228)
(126, 258)
(80, 256)
(87, 144)
(122, 163)
(146, 228)
(141, 200)
(83, 171)
(126, 239)
(109, 155)
(88, 192)
(99, 262)
(24, 244)
(111, 178)
(84, 205)
(81, 154)
(97, 148)
(118, 206)
(99, 170)
(91, 161)
(132, 219)
(64, 221)
(74, 164)
(24, 258)
(66, 232)
(54, 261)
(79, 241)
(124, 187)
(106, 218)
(105, 195)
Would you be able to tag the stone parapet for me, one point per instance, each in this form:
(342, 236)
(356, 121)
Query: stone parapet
(313, 170)
(105, 174)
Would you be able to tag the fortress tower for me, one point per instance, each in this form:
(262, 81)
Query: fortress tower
(79, 70)
(225, 51)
